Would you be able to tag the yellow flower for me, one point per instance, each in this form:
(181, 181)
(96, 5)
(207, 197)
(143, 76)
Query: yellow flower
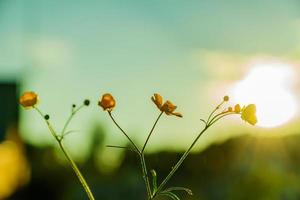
(249, 114)
(168, 107)
(237, 108)
(28, 99)
(107, 102)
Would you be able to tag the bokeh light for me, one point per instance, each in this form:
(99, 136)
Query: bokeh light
(269, 85)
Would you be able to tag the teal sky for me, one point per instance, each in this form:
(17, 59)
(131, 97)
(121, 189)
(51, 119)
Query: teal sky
(71, 50)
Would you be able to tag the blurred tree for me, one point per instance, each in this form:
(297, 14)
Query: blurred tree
(8, 107)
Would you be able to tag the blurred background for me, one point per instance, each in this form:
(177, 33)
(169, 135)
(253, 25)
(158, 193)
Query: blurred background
(192, 53)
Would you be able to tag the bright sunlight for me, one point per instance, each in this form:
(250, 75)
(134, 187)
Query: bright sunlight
(269, 86)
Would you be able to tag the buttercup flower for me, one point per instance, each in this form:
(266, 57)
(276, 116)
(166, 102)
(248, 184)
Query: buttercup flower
(28, 99)
(107, 102)
(249, 114)
(168, 107)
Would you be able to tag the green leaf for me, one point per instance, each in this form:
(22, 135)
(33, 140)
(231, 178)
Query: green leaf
(187, 190)
(154, 180)
(170, 194)
(202, 120)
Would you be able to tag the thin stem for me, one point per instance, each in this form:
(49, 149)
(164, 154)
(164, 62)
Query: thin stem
(141, 155)
(151, 131)
(210, 122)
(134, 145)
(77, 172)
(52, 131)
(143, 162)
(220, 116)
(73, 112)
(145, 175)
(71, 162)
(183, 157)
(68, 132)
(214, 117)
(211, 114)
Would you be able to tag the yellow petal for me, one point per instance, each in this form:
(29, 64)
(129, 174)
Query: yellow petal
(249, 114)
(157, 99)
(252, 120)
(177, 114)
(168, 107)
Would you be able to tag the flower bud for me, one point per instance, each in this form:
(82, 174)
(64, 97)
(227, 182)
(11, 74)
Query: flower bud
(226, 98)
(86, 102)
(28, 99)
(47, 117)
(237, 108)
(107, 102)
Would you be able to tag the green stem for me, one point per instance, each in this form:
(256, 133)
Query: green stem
(220, 116)
(141, 155)
(77, 172)
(211, 114)
(151, 131)
(130, 140)
(211, 120)
(73, 112)
(142, 158)
(183, 157)
(72, 163)
(145, 175)
(52, 131)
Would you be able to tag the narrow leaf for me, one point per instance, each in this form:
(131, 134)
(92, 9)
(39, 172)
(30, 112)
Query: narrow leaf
(171, 195)
(202, 120)
(154, 180)
(187, 190)
(120, 147)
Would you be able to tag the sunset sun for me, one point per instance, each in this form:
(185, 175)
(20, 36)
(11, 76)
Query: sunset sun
(269, 86)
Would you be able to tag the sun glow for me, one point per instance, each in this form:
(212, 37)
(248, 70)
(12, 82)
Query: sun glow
(269, 86)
